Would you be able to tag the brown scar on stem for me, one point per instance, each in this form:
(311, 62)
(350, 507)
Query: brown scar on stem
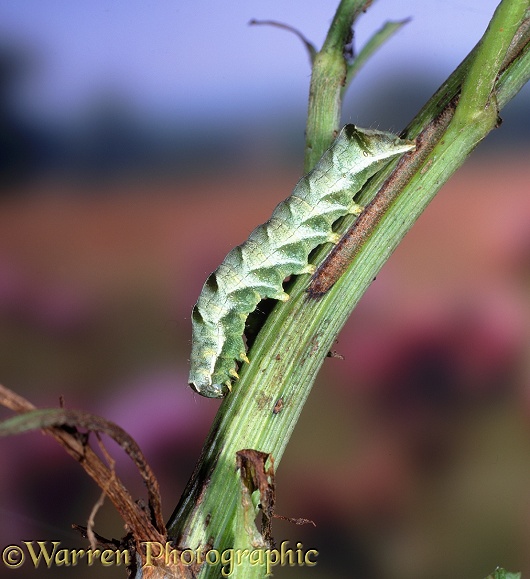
(334, 354)
(254, 476)
(340, 257)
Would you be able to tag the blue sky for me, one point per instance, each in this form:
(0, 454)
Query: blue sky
(185, 57)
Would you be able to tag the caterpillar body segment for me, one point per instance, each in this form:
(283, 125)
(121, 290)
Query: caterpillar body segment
(279, 248)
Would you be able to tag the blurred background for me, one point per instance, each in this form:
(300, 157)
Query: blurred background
(140, 141)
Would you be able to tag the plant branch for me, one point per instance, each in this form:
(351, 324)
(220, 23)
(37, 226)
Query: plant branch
(478, 85)
(380, 37)
(449, 128)
(329, 73)
(311, 50)
(265, 404)
(61, 427)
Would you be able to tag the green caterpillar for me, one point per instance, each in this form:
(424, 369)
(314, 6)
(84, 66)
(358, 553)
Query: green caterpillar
(279, 248)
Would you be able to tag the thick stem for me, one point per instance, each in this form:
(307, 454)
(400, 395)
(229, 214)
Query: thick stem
(327, 81)
(296, 337)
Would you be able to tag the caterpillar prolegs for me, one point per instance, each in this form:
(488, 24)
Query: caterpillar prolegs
(279, 248)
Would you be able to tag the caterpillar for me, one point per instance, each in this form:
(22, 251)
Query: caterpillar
(279, 248)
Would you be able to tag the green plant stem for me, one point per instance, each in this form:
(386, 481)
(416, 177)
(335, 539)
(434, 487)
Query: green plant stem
(380, 37)
(294, 341)
(327, 80)
(436, 120)
(477, 88)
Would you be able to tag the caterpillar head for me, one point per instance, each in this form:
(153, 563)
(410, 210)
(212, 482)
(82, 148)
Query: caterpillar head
(378, 146)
